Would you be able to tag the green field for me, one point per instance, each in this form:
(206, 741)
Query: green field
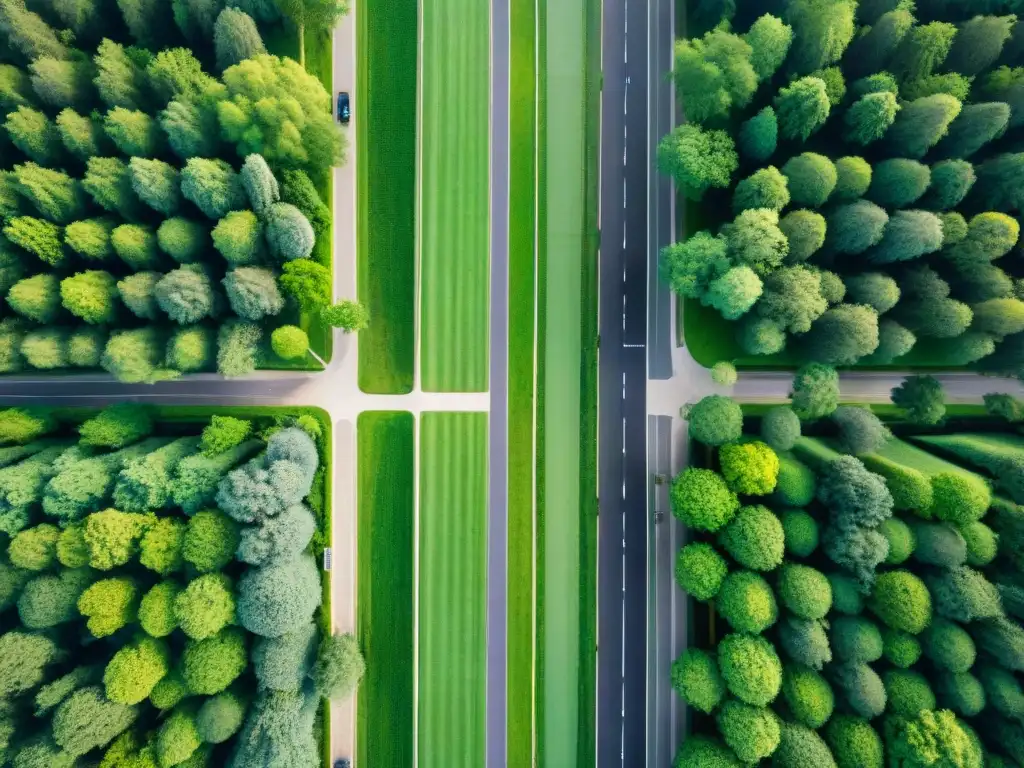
(385, 118)
(452, 590)
(454, 195)
(521, 330)
(384, 728)
(562, 719)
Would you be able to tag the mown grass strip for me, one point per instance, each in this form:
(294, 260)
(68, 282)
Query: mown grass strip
(384, 722)
(522, 283)
(452, 590)
(454, 190)
(385, 118)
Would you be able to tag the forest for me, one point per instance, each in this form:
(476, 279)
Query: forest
(853, 175)
(161, 188)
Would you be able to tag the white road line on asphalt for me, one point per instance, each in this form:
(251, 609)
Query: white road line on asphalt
(416, 425)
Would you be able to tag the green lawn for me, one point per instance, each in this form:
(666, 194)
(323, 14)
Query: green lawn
(385, 117)
(452, 590)
(562, 615)
(384, 736)
(522, 283)
(454, 191)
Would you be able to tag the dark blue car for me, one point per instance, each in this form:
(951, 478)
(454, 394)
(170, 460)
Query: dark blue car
(344, 113)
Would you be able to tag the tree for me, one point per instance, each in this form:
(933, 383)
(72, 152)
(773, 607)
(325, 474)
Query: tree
(138, 293)
(213, 186)
(769, 39)
(921, 398)
(713, 74)
(289, 234)
(754, 239)
(37, 298)
(860, 431)
(136, 356)
(205, 606)
(843, 335)
(135, 669)
(697, 159)
(951, 181)
(54, 194)
(276, 732)
(990, 236)
(182, 239)
(34, 134)
(38, 237)
(298, 189)
(765, 188)
(855, 227)
(974, 127)
(117, 426)
(147, 21)
(15, 90)
(175, 73)
(870, 117)
(253, 293)
(954, 228)
(61, 83)
(192, 349)
(802, 107)
(220, 717)
(941, 318)
(238, 348)
(192, 129)
(236, 38)
(187, 294)
(195, 19)
(90, 295)
(978, 44)
(688, 267)
(880, 82)
(815, 391)
(759, 135)
(120, 75)
(239, 238)
(259, 182)
(108, 181)
(822, 30)
(307, 282)
(289, 342)
(999, 317)
(339, 667)
(951, 83)
(792, 299)
(348, 315)
(279, 86)
(921, 124)
(908, 235)
(156, 184)
(82, 136)
(898, 182)
(750, 668)
(853, 177)
(805, 232)
(734, 293)
(1006, 85)
(811, 179)
(1000, 181)
(27, 33)
(875, 289)
(134, 133)
(135, 245)
(922, 51)
(871, 51)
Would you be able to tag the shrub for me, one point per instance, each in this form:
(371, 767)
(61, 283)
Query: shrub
(902, 601)
(283, 663)
(750, 668)
(213, 186)
(109, 604)
(156, 610)
(939, 544)
(805, 642)
(863, 688)
(239, 238)
(86, 720)
(749, 468)
(805, 231)
(808, 695)
(205, 606)
(701, 499)
(959, 497)
(856, 639)
(34, 549)
(853, 177)
(1001, 690)
(815, 391)
(168, 692)
(211, 665)
(754, 538)
(765, 188)
(800, 532)
(751, 732)
(276, 597)
(805, 591)
(901, 649)
(724, 373)
(854, 743)
(289, 342)
(252, 293)
(746, 601)
(134, 670)
(796, 484)
(220, 717)
(921, 123)
(964, 595)
(187, 295)
(907, 693)
(178, 737)
(758, 336)
(800, 746)
(933, 738)
(982, 543)
(695, 677)
(700, 750)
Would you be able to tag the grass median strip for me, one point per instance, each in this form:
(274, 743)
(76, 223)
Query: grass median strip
(385, 118)
(385, 578)
(454, 192)
(452, 590)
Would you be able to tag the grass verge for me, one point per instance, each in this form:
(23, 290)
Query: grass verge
(454, 192)
(384, 724)
(522, 283)
(385, 116)
(452, 590)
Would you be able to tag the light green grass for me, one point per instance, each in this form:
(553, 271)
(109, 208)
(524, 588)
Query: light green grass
(452, 590)
(454, 190)
(911, 456)
(522, 282)
(384, 735)
(560, 673)
(384, 109)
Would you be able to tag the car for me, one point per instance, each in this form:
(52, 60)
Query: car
(342, 762)
(344, 111)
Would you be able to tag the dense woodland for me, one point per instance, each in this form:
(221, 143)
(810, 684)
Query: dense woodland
(157, 200)
(160, 597)
(855, 173)
(866, 580)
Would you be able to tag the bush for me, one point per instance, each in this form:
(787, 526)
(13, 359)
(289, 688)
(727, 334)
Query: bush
(715, 420)
(964, 595)
(902, 601)
(765, 188)
(109, 604)
(156, 610)
(168, 692)
(135, 669)
(746, 601)
(191, 349)
(933, 738)
(178, 737)
(1003, 639)
(749, 468)
(759, 136)
(695, 677)
(863, 688)
(805, 642)
(238, 349)
(800, 746)
(805, 591)
(754, 538)
(853, 177)
(205, 606)
(211, 665)
(898, 182)
(724, 373)
(939, 544)
(854, 743)
(239, 238)
(808, 695)
(982, 543)
(751, 732)
(921, 399)
(815, 391)
(86, 720)
(800, 532)
(220, 717)
(701, 499)
(811, 179)
(289, 342)
(901, 649)
(276, 597)
(962, 693)
(1001, 690)
(856, 639)
(34, 549)
(699, 751)
(700, 570)
(796, 484)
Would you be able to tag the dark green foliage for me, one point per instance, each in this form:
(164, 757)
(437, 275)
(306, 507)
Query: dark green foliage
(1000, 180)
(974, 127)
(780, 428)
(815, 391)
(907, 693)
(898, 182)
(853, 177)
(196, 477)
(948, 646)
(802, 108)
(792, 298)
(978, 44)
(751, 732)
(951, 180)
(235, 38)
(964, 595)
(921, 124)
(808, 695)
(902, 601)
(307, 282)
(880, 82)
(872, 49)
(901, 649)
(854, 743)
(801, 533)
(963, 693)
(182, 239)
(921, 399)
(982, 543)
(805, 642)
(860, 431)
(908, 235)
(1002, 638)
(1002, 690)
(746, 601)
(340, 666)
(940, 318)
(715, 420)
(843, 335)
(870, 117)
(855, 639)
(298, 189)
(697, 160)
(1006, 85)
(939, 544)
(766, 188)
(191, 129)
(758, 136)
(811, 179)
(855, 227)
(922, 51)
(901, 540)
(62, 83)
(805, 231)
(796, 483)
(283, 663)
(863, 688)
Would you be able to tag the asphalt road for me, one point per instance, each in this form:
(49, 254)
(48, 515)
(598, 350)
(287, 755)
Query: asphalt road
(497, 528)
(622, 420)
